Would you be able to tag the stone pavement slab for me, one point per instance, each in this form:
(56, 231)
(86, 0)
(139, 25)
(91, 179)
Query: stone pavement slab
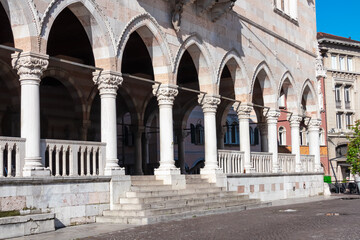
(279, 222)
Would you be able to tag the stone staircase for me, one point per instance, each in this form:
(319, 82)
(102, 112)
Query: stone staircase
(150, 201)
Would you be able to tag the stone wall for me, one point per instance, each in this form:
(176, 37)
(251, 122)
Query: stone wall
(269, 187)
(74, 200)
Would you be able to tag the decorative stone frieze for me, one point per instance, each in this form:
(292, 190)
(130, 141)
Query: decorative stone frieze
(242, 110)
(214, 8)
(319, 70)
(165, 93)
(209, 102)
(29, 66)
(107, 81)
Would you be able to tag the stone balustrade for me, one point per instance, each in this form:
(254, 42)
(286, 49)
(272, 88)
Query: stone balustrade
(287, 162)
(12, 152)
(231, 161)
(73, 158)
(261, 162)
(308, 163)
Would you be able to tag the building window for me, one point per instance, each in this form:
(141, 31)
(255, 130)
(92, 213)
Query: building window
(347, 94)
(350, 64)
(251, 133)
(338, 120)
(281, 100)
(282, 136)
(333, 61)
(303, 136)
(234, 133)
(337, 96)
(342, 62)
(256, 136)
(287, 7)
(348, 121)
(197, 134)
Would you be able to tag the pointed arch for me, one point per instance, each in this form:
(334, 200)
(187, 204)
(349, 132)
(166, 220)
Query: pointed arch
(267, 83)
(201, 57)
(96, 28)
(308, 100)
(238, 74)
(287, 84)
(24, 22)
(155, 40)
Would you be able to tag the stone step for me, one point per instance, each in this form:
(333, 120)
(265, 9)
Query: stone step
(138, 200)
(147, 182)
(200, 185)
(178, 202)
(141, 220)
(135, 191)
(150, 188)
(143, 178)
(178, 209)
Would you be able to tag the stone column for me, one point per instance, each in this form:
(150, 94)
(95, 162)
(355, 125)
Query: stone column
(30, 67)
(271, 119)
(295, 140)
(314, 143)
(167, 171)
(211, 170)
(209, 105)
(108, 83)
(264, 137)
(138, 149)
(243, 111)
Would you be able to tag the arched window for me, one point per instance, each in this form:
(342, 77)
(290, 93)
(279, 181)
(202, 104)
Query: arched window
(251, 133)
(256, 136)
(227, 133)
(282, 135)
(303, 136)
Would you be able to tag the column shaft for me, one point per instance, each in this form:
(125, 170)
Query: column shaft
(243, 112)
(295, 140)
(108, 83)
(30, 67)
(138, 149)
(272, 117)
(314, 142)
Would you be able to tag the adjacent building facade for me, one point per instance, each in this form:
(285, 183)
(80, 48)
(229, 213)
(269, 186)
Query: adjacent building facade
(341, 60)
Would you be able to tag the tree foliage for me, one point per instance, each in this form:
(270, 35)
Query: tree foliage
(353, 153)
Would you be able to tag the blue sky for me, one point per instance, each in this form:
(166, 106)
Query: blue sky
(340, 18)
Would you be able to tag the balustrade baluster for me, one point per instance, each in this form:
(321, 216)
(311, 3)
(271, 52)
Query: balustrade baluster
(2, 161)
(93, 151)
(64, 161)
(82, 162)
(9, 158)
(71, 162)
(51, 150)
(17, 162)
(57, 161)
(87, 161)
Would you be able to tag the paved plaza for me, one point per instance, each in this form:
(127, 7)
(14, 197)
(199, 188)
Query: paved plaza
(336, 217)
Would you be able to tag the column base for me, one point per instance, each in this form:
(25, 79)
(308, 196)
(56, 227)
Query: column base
(214, 176)
(114, 171)
(171, 177)
(36, 172)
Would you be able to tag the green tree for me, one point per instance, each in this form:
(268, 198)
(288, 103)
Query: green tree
(353, 153)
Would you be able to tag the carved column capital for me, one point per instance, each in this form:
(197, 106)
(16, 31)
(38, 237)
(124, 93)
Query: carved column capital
(108, 81)
(272, 115)
(165, 93)
(314, 125)
(243, 110)
(29, 66)
(294, 120)
(209, 102)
